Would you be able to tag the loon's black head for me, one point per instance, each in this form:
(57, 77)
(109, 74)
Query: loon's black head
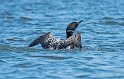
(71, 27)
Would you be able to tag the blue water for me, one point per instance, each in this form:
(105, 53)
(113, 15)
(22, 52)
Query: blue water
(102, 56)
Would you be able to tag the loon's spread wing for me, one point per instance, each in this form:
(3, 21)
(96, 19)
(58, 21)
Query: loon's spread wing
(40, 39)
(47, 41)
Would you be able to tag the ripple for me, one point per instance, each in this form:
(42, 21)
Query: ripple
(8, 72)
(86, 69)
(53, 76)
(15, 39)
(82, 76)
(107, 18)
(121, 24)
(115, 77)
(88, 58)
(29, 78)
(53, 57)
(2, 61)
(24, 18)
(109, 22)
(6, 15)
(26, 65)
(18, 49)
(112, 21)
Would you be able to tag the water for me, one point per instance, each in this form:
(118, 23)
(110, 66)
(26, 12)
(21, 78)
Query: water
(102, 56)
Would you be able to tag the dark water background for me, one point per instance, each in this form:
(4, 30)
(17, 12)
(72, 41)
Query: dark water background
(21, 21)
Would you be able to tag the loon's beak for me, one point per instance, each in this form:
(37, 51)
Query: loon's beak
(80, 21)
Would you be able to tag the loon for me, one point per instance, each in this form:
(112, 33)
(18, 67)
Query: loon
(48, 41)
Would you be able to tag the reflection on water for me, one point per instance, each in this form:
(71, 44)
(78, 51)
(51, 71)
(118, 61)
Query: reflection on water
(102, 31)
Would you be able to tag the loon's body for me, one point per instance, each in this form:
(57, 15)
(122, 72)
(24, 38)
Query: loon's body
(48, 41)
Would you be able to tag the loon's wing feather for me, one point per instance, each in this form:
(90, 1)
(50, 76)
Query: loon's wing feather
(77, 41)
(74, 41)
(40, 39)
(35, 42)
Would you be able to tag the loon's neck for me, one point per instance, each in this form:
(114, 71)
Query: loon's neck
(69, 33)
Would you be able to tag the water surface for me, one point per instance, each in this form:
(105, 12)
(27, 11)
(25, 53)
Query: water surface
(102, 56)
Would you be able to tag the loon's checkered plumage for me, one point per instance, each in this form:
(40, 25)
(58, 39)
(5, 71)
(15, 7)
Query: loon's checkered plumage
(48, 41)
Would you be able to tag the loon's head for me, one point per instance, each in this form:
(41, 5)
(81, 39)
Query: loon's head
(71, 27)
